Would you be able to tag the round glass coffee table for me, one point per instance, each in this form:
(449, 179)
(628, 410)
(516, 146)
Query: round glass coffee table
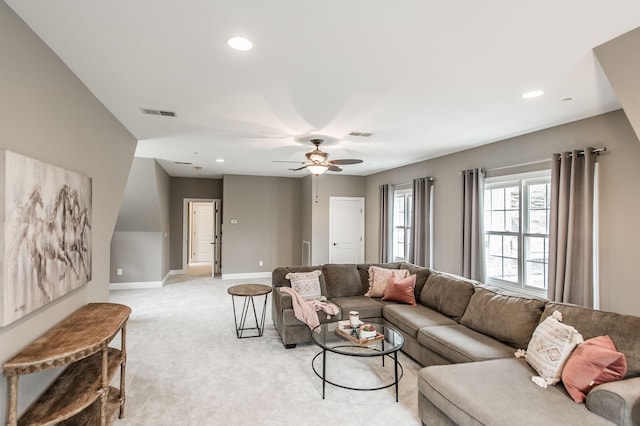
(329, 340)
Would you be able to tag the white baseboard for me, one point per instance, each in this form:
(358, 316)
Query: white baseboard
(135, 285)
(246, 275)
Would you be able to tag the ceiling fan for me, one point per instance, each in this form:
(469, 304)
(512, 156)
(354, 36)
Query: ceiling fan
(318, 161)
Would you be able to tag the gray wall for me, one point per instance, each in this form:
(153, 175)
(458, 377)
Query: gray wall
(48, 114)
(618, 206)
(140, 242)
(328, 185)
(269, 223)
(620, 60)
(182, 188)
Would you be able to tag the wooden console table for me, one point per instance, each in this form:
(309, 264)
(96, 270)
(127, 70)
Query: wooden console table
(81, 395)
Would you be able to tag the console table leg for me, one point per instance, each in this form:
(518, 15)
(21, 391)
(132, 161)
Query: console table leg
(123, 354)
(324, 370)
(395, 367)
(12, 415)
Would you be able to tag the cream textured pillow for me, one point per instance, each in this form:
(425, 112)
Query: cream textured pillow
(379, 277)
(550, 347)
(306, 284)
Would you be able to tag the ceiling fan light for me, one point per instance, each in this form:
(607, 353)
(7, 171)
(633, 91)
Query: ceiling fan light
(317, 169)
(316, 156)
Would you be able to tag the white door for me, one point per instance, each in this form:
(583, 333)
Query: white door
(217, 241)
(202, 232)
(346, 229)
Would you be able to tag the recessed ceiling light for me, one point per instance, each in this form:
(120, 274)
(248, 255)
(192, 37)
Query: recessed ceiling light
(240, 43)
(532, 94)
(220, 160)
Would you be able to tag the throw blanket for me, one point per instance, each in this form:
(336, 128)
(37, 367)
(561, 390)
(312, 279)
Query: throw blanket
(307, 310)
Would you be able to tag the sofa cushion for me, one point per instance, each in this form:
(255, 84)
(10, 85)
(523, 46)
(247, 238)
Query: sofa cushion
(550, 347)
(379, 279)
(306, 284)
(510, 319)
(421, 273)
(594, 362)
(410, 319)
(366, 306)
(446, 293)
(342, 280)
(401, 290)
(278, 275)
(457, 343)
(624, 330)
(499, 392)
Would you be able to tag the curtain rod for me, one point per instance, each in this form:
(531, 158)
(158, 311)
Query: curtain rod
(596, 151)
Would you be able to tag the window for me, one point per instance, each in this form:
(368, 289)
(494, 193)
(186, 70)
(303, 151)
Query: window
(402, 207)
(516, 226)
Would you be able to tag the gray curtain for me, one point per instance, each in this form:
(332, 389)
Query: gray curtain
(420, 237)
(472, 221)
(385, 215)
(571, 228)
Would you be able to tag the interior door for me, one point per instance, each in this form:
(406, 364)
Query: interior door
(202, 232)
(346, 230)
(217, 240)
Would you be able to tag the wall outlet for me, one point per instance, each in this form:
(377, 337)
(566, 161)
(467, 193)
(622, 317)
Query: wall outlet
(260, 263)
(119, 271)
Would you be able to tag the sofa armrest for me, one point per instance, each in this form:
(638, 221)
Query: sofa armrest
(282, 300)
(617, 401)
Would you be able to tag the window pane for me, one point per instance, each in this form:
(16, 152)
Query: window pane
(512, 220)
(538, 196)
(495, 245)
(510, 246)
(494, 267)
(513, 197)
(497, 221)
(538, 222)
(536, 274)
(497, 199)
(537, 257)
(510, 270)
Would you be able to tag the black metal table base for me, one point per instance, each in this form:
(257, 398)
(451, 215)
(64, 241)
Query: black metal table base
(397, 367)
(241, 325)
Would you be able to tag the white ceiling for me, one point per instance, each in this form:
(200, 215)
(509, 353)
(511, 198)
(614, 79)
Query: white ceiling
(426, 77)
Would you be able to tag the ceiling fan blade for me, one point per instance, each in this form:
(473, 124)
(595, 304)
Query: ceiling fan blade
(334, 168)
(284, 161)
(345, 161)
(299, 168)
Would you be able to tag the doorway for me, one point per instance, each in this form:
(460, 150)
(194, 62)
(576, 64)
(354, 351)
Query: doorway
(202, 242)
(346, 229)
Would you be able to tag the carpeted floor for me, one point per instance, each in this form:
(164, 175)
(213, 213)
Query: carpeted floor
(185, 366)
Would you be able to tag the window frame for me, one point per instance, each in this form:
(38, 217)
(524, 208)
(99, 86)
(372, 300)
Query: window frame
(523, 181)
(407, 191)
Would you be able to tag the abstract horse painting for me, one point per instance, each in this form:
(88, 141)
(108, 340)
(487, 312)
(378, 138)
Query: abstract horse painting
(46, 233)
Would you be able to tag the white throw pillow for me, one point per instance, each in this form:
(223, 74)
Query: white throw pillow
(379, 277)
(550, 346)
(306, 284)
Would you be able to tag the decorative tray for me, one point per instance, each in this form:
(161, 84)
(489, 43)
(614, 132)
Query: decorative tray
(344, 329)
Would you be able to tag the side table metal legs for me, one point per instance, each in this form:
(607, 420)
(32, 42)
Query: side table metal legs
(248, 305)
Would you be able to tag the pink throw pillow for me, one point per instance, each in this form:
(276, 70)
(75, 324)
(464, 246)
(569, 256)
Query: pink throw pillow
(592, 363)
(401, 290)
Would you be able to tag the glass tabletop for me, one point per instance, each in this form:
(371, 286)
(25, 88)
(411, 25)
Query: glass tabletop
(326, 336)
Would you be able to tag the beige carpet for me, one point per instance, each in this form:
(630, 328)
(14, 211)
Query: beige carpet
(186, 367)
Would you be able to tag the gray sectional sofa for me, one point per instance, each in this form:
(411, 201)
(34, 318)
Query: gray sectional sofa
(465, 334)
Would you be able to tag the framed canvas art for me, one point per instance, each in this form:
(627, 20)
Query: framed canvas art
(46, 234)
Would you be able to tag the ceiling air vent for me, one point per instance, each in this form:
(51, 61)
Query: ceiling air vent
(361, 134)
(158, 112)
(182, 162)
